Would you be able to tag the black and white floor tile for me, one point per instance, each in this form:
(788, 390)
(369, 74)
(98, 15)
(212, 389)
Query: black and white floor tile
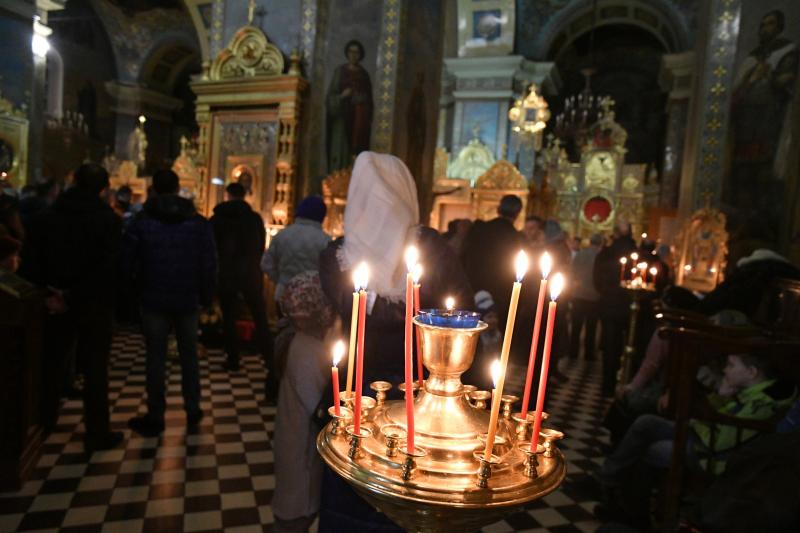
(220, 478)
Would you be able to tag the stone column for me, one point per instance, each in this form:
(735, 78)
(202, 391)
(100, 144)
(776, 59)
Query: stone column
(676, 79)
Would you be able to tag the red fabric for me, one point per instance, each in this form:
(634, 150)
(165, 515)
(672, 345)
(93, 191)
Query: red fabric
(245, 329)
(597, 206)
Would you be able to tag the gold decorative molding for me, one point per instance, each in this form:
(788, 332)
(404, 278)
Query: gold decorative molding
(502, 176)
(473, 161)
(334, 193)
(701, 249)
(249, 55)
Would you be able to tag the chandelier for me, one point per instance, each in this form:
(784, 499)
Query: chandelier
(580, 112)
(529, 117)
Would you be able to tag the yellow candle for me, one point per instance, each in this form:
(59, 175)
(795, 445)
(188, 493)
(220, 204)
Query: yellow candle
(521, 267)
(352, 347)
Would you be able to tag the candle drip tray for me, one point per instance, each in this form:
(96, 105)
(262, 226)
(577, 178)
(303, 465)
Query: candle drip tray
(437, 486)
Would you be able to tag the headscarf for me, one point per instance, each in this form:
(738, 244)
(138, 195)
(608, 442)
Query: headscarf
(303, 299)
(381, 210)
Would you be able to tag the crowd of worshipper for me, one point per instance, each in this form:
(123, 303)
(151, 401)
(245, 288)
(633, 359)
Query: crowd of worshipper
(101, 261)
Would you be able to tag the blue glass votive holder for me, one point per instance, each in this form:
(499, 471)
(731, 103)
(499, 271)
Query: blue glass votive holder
(449, 319)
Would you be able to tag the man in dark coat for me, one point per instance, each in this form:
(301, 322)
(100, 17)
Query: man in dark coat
(169, 253)
(240, 237)
(74, 249)
(488, 255)
(614, 311)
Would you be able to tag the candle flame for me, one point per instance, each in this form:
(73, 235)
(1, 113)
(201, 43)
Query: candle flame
(635, 256)
(653, 271)
(644, 235)
(416, 273)
(641, 266)
(411, 256)
(545, 264)
(521, 265)
(633, 270)
(495, 370)
(450, 303)
(361, 276)
(338, 352)
(623, 260)
(556, 286)
(687, 268)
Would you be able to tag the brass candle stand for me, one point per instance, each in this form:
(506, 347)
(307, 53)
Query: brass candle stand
(637, 288)
(445, 485)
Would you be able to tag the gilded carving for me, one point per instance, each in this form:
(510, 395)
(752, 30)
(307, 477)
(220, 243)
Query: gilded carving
(701, 249)
(334, 193)
(248, 55)
(472, 161)
(502, 176)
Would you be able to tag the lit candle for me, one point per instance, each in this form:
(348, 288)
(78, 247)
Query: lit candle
(450, 304)
(653, 273)
(642, 270)
(417, 275)
(555, 289)
(362, 277)
(635, 257)
(411, 256)
(687, 268)
(622, 262)
(545, 264)
(521, 267)
(353, 333)
(644, 236)
(338, 352)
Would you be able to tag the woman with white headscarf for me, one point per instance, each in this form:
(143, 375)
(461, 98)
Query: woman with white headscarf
(381, 219)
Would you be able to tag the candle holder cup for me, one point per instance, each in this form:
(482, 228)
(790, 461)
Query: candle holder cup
(467, 390)
(348, 399)
(485, 468)
(341, 420)
(414, 388)
(524, 426)
(393, 434)
(380, 388)
(550, 437)
(531, 462)
(508, 401)
(355, 441)
(407, 471)
(479, 398)
(367, 406)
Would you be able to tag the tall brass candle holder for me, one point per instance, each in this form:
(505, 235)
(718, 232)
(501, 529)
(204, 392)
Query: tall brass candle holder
(637, 288)
(445, 485)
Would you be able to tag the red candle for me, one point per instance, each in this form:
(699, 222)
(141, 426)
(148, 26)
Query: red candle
(555, 290)
(622, 262)
(411, 260)
(338, 352)
(545, 264)
(363, 275)
(417, 274)
(654, 273)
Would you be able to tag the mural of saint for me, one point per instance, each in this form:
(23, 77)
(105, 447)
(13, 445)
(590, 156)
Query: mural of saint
(349, 109)
(762, 90)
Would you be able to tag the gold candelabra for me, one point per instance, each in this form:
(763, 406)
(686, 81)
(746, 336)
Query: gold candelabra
(445, 484)
(636, 287)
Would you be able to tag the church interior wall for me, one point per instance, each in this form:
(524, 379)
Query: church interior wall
(16, 65)
(418, 85)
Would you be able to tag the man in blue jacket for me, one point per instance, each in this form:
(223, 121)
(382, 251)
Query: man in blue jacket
(169, 253)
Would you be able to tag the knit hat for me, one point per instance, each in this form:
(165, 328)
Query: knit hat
(484, 302)
(312, 208)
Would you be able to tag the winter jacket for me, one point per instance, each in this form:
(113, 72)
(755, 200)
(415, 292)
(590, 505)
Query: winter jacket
(169, 253)
(757, 402)
(74, 247)
(240, 237)
(293, 251)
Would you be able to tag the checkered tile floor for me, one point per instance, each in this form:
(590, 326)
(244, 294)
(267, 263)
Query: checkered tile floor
(220, 478)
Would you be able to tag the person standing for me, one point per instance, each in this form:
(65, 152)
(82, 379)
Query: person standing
(74, 248)
(169, 253)
(240, 236)
(297, 247)
(614, 313)
(585, 299)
